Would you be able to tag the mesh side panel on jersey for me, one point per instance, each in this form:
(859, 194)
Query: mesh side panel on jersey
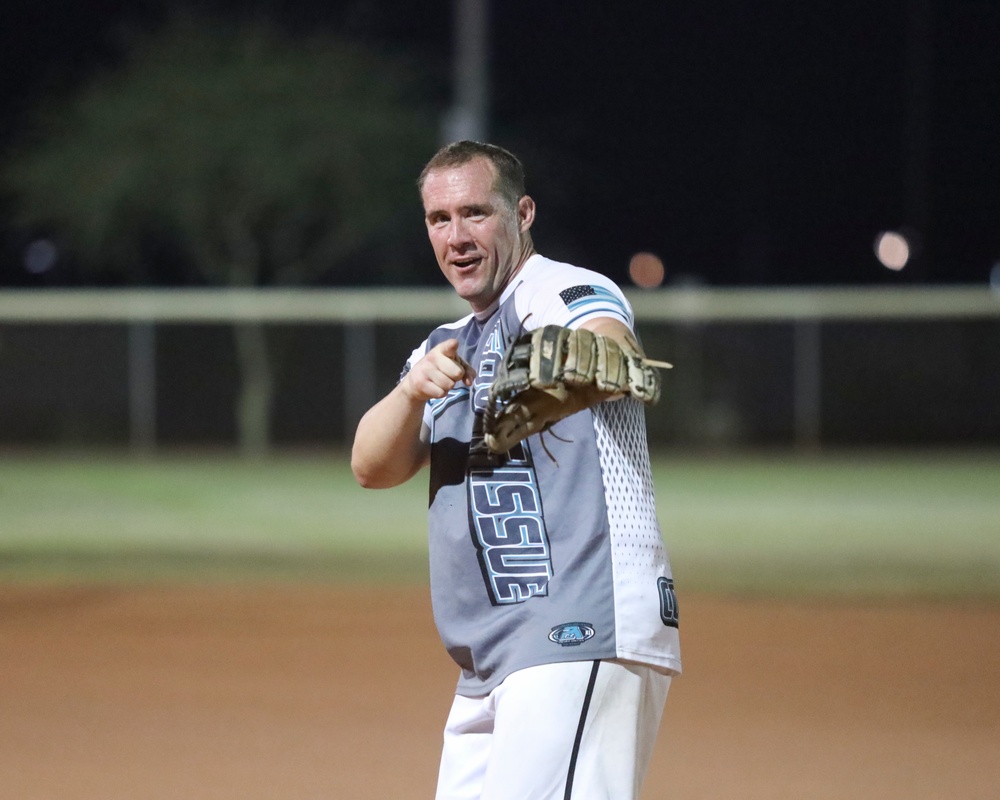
(636, 543)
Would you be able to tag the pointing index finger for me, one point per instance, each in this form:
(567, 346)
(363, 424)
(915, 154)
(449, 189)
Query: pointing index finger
(469, 373)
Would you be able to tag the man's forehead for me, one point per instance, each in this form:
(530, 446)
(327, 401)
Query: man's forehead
(473, 180)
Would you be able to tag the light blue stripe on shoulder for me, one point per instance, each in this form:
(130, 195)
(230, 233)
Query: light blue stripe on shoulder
(602, 311)
(601, 295)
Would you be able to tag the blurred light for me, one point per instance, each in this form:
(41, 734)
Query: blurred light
(40, 256)
(646, 270)
(892, 249)
(995, 278)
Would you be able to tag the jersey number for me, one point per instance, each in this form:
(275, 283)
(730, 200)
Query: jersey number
(668, 602)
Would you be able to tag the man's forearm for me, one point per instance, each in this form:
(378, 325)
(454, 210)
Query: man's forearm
(388, 449)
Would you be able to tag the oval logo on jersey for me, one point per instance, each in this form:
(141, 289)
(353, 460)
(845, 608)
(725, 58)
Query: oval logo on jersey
(570, 634)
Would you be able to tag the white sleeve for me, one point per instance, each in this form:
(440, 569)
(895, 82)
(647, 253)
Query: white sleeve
(570, 296)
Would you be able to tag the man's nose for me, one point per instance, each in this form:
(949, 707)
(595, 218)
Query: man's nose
(458, 232)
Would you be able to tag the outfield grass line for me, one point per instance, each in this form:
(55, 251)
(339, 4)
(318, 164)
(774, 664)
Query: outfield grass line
(919, 522)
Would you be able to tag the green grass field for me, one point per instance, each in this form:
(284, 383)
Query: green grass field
(874, 523)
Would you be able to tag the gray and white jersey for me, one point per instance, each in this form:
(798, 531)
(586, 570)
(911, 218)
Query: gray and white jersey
(552, 552)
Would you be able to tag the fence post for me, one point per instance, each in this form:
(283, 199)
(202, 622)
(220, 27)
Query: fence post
(807, 378)
(689, 386)
(359, 357)
(142, 386)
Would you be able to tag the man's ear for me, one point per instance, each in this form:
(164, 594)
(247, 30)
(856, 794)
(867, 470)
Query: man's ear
(525, 213)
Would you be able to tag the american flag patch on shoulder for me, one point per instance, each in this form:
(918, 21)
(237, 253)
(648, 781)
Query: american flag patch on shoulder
(576, 292)
(587, 300)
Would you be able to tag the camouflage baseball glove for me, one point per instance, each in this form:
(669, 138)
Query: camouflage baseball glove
(553, 372)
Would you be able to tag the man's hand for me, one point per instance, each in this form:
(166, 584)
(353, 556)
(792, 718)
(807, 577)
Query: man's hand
(389, 446)
(437, 373)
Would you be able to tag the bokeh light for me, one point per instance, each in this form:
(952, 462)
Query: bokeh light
(892, 249)
(40, 256)
(646, 270)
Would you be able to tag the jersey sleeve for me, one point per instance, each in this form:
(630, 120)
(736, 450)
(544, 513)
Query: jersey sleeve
(570, 296)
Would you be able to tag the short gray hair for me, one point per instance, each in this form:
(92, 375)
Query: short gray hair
(509, 181)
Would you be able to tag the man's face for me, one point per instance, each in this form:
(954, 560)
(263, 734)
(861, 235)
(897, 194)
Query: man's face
(476, 236)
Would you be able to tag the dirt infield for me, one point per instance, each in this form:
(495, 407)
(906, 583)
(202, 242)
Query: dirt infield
(320, 692)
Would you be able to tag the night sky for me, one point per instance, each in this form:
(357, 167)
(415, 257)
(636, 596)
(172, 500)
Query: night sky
(757, 143)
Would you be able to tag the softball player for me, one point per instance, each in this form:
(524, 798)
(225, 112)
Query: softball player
(550, 584)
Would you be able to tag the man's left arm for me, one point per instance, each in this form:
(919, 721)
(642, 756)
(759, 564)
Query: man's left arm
(615, 329)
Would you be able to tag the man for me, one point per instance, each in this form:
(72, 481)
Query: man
(550, 584)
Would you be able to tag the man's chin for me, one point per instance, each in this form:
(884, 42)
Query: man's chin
(467, 290)
(478, 299)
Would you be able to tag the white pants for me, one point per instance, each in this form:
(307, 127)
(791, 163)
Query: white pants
(583, 730)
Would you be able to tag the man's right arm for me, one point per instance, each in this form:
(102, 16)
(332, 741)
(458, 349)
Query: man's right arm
(388, 446)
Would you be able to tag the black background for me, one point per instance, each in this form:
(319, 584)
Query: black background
(757, 143)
